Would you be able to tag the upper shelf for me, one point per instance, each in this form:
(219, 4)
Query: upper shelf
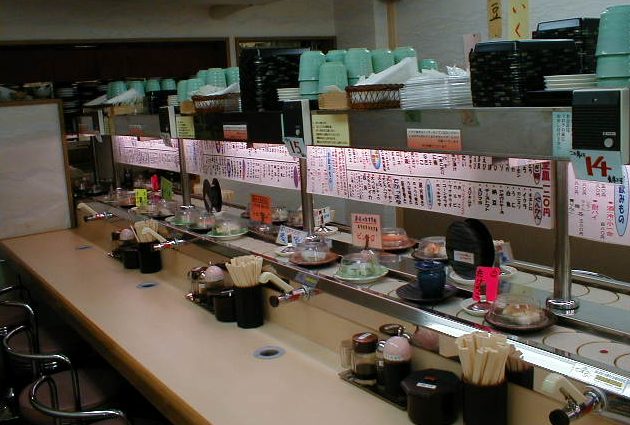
(498, 132)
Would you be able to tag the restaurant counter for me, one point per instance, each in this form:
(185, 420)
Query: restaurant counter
(197, 370)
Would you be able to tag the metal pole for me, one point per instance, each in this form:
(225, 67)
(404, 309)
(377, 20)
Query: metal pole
(307, 198)
(183, 173)
(561, 299)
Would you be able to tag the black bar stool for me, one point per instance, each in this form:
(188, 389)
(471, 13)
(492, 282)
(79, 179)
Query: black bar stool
(48, 404)
(78, 389)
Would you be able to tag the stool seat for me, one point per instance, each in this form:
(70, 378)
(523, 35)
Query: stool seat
(115, 421)
(97, 388)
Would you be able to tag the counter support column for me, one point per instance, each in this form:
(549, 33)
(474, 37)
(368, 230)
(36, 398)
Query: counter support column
(183, 173)
(307, 198)
(561, 300)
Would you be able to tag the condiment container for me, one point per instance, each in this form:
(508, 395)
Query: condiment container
(224, 307)
(397, 364)
(431, 278)
(433, 397)
(364, 358)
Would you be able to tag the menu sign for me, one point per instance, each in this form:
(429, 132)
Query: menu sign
(260, 208)
(142, 198)
(434, 139)
(366, 230)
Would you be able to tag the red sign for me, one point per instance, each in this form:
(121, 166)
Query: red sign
(487, 281)
(260, 209)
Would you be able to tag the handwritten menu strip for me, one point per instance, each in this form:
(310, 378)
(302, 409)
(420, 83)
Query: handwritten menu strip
(268, 165)
(599, 211)
(518, 19)
(495, 21)
(327, 171)
(146, 153)
(453, 184)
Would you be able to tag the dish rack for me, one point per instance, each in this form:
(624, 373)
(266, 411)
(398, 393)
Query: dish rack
(375, 96)
(230, 102)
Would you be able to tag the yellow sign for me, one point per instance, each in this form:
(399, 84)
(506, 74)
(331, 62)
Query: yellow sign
(185, 126)
(518, 19)
(331, 130)
(142, 198)
(495, 19)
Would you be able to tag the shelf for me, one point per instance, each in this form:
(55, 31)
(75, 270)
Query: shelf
(255, 127)
(497, 132)
(141, 125)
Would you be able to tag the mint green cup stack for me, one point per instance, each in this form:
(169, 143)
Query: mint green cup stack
(613, 47)
(336, 55)
(382, 59)
(358, 63)
(310, 63)
(332, 74)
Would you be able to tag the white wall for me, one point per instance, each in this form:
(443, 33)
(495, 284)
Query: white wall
(122, 19)
(435, 28)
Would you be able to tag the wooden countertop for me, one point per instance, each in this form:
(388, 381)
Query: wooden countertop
(194, 369)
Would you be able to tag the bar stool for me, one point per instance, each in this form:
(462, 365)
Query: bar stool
(48, 404)
(12, 315)
(79, 389)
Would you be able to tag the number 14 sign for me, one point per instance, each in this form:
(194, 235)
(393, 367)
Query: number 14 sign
(595, 165)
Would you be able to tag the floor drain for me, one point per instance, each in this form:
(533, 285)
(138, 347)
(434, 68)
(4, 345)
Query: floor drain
(268, 352)
(146, 285)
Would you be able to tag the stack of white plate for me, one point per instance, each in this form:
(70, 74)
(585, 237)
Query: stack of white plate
(292, 93)
(570, 82)
(446, 92)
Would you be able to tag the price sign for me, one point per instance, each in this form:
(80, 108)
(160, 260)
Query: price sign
(487, 281)
(136, 130)
(434, 139)
(260, 208)
(366, 227)
(142, 198)
(297, 236)
(322, 216)
(295, 146)
(595, 165)
(235, 132)
(167, 189)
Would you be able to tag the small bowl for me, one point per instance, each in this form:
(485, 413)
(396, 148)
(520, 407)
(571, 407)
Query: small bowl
(227, 227)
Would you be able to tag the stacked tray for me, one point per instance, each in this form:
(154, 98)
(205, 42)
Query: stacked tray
(583, 31)
(502, 72)
(446, 92)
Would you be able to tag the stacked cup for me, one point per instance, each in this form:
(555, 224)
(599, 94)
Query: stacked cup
(382, 59)
(309, 73)
(401, 53)
(336, 56)
(613, 47)
(359, 63)
(193, 85)
(232, 75)
(215, 77)
(332, 74)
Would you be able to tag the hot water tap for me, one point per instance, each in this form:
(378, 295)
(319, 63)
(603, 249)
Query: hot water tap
(578, 404)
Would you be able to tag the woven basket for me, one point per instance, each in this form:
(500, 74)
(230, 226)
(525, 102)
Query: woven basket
(376, 96)
(222, 103)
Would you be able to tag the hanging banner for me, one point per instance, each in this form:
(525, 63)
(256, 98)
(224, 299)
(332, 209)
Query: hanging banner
(518, 19)
(495, 19)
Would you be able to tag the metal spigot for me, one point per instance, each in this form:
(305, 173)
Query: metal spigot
(578, 404)
(303, 293)
(168, 244)
(98, 216)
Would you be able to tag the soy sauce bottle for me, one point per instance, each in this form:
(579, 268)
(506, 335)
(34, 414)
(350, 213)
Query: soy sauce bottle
(364, 358)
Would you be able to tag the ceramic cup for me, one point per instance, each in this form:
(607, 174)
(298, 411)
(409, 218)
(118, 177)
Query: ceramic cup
(232, 75)
(202, 74)
(137, 85)
(216, 77)
(614, 31)
(168, 84)
(404, 52)
(193, 85)
(309, 65)
(613, 66)
(332, 74)
(336, 56)
(117, 88)
(182, 90)
(382, 59)
(309, 87)
(153, 85)
(428, 64)
(613, 82)
(358, 62)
